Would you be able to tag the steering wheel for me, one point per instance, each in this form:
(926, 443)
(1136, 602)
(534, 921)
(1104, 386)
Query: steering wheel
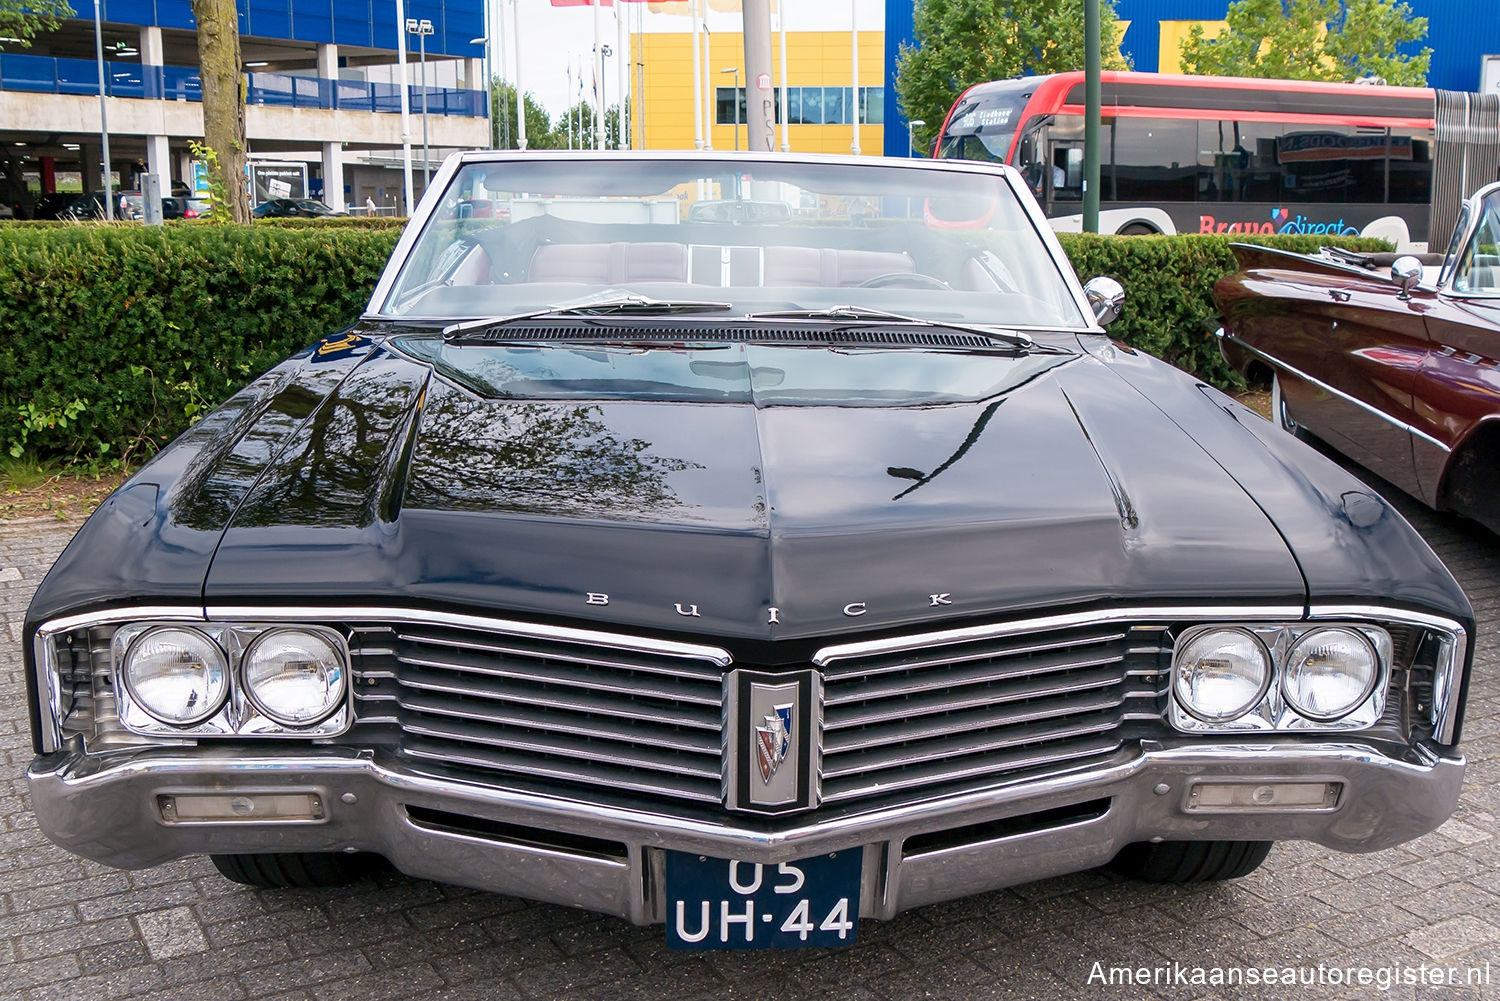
(904, 279)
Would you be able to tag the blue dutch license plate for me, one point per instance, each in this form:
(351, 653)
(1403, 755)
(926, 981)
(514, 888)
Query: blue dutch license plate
(713, 903)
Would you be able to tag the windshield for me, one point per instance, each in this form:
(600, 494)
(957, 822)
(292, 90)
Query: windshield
(517, 235)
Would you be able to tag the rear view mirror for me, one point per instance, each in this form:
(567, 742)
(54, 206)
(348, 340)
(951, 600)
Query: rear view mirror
(1406, 272)
(1106, 298)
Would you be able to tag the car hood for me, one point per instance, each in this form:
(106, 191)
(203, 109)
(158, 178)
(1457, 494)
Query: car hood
(1064, 487)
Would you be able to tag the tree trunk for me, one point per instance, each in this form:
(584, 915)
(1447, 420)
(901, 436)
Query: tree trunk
(224, 97)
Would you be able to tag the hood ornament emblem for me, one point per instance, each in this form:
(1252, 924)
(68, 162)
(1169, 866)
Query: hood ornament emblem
(772, 741)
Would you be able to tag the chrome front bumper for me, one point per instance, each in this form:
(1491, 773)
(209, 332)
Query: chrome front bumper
(108, 808)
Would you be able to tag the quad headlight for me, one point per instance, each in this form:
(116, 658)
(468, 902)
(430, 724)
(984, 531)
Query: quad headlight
(1328, 673)
(1294, 676)
(217, 679)
(177, 675)
(294, 676)
(1222, 674)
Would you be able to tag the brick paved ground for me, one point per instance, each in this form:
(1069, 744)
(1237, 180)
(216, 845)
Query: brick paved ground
(73, 929)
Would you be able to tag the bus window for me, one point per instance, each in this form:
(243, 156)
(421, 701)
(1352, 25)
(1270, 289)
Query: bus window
(1154, 160)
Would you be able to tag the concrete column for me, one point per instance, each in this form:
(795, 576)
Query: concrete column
(159, 162)
(88, 167)
(333, 175)
(158, 153)
(328, 69)
(474, 74)
(185, 167)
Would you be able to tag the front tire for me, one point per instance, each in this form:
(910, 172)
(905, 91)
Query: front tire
(1190, 861)
(296, 870)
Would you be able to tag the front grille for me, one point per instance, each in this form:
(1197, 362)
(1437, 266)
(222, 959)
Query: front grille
(616, 725)
(965, 714)
(565, 713)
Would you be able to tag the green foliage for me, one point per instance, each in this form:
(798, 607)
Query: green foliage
(539, 133)
(1314, 40)
(1169, 281)
(118, 337)
(218, 194)
(582, 117)
(22, 19)
(964, 42)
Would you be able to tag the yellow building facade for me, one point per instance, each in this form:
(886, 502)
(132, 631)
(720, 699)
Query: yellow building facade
(816, 61)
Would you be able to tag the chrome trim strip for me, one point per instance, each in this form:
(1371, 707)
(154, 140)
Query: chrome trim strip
(425, 208)
(1446, 688)
(568, 634)
(50, 713)
(947, 637)
(1339, 393)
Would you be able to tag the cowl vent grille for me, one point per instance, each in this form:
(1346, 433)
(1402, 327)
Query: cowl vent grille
(758, 333)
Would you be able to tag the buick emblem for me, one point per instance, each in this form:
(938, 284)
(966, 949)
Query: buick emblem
(772, 741)
(772, 731)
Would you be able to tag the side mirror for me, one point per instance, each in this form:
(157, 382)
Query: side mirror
(1406, 272)
(1107, 297)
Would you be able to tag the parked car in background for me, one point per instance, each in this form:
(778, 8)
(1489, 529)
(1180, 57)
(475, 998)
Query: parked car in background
(294, 208)
(745, 573)
(185, 207)
(1399, 373)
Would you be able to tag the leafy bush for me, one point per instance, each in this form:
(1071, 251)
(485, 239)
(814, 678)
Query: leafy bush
(1169, 283)
(113, 339)
(147, 327)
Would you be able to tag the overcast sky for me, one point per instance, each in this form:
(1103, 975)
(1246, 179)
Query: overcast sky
(554, 37)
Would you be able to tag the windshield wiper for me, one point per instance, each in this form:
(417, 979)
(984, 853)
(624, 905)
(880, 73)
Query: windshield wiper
(866, 316)
(624, 305)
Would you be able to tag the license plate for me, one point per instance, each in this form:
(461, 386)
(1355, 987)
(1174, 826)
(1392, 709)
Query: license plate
(715, 903)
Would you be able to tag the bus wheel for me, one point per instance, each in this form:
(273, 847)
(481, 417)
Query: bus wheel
(1137, 229)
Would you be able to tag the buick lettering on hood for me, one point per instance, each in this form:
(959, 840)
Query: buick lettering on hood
(746, 544)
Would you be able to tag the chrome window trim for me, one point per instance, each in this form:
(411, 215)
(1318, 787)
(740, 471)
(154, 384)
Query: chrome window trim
(427, 207)
(1448, 276)
(1325, 387)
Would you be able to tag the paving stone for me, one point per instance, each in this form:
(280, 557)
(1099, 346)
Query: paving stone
(172, 932)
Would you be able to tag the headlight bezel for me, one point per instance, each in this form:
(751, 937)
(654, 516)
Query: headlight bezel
(1193, 635)
(1274, 712)
(238, 715)
(1291, 663)
(256, 704)
(137, 702)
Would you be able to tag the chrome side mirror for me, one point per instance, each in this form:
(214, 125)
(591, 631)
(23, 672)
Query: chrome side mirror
(1107, 298)
(1406, 272)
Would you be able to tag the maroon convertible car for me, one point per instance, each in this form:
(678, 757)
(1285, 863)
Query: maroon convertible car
(1395, 366)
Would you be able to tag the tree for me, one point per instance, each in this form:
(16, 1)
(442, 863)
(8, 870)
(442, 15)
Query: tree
(20, 20)
(223, 99)
(964, 42)
(582, 117)
(506, 135)
(1314, 40)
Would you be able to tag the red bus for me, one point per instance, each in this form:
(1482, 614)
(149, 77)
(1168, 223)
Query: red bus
(1196, 154)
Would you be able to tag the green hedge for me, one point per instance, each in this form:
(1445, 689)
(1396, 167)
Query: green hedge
(113, 339)
(147, 327)
(1169, 282)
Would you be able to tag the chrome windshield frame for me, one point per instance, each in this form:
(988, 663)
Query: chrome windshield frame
(380, 300)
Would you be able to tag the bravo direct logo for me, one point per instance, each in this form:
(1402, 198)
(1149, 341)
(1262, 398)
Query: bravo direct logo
(1281, 222)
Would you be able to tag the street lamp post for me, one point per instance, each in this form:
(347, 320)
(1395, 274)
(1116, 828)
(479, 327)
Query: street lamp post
(734, 96)
(911, 144)
(422, 29)
(489, 89)
(109, 187)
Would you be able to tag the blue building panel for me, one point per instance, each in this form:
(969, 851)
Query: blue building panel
(360, 23)
(898, 32)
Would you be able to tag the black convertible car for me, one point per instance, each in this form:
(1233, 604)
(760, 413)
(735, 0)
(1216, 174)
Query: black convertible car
(747, 572)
